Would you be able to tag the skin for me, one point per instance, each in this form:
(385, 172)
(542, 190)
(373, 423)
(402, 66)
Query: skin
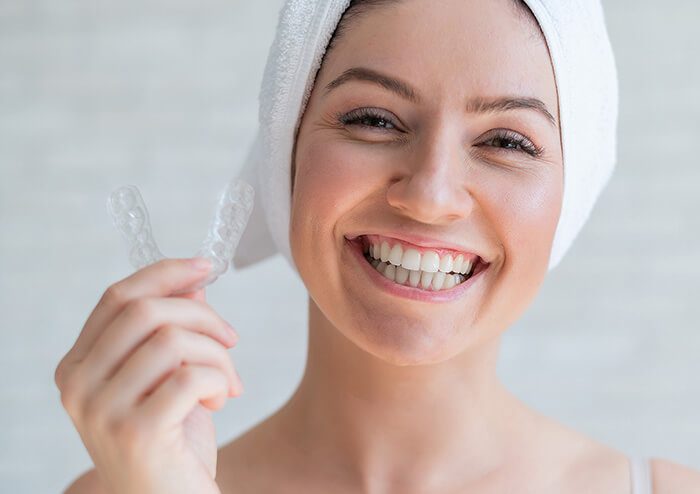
(400, 395)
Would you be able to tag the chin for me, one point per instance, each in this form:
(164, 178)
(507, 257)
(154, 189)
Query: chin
(402, 341)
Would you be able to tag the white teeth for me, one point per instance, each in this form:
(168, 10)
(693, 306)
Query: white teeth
(411, 259)
(414, 278)
(395, 255)
(401, 275)
(410, 267)
(384, 252)
(446, 263)
(409, 277)
(426, 279)
(438, 280)
(430, 262)
(457, 264)
(390, 272)
(466, 266)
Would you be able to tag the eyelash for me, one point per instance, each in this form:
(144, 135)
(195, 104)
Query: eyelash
(505, 136)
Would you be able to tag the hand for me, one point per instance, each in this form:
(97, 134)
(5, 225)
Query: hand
(143, 377)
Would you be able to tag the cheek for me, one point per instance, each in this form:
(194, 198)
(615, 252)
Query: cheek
(521, 211)
(331, 179)
(524, 209)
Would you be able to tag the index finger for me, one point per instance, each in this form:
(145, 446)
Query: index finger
(199, 295)
(159, 279)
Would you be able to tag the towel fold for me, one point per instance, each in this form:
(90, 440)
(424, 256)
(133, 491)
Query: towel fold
(587, 87)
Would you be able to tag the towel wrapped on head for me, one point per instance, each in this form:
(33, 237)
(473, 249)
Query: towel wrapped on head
(587, 87)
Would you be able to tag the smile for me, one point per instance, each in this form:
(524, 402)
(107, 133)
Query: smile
(414, 272)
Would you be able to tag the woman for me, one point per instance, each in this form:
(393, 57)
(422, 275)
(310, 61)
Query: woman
(422, 222)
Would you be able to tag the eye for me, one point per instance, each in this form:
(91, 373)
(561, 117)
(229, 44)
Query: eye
(367, 117)
(504, 140)
(509, 141)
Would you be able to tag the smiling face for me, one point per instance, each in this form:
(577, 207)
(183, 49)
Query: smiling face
(421, 164)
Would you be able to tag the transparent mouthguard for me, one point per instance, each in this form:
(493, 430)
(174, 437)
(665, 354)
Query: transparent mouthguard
(130, 216)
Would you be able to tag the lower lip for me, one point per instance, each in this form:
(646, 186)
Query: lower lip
(410, 292)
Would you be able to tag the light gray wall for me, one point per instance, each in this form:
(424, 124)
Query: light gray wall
(164, 95)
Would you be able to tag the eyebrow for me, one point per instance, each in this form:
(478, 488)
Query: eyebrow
(474, 105)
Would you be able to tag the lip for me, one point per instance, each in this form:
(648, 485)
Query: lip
(440, 296)
(422, 243)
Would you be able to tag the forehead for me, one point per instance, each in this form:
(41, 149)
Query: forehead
(464, 48)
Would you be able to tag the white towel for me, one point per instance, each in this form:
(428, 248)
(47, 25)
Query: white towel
(587, 87)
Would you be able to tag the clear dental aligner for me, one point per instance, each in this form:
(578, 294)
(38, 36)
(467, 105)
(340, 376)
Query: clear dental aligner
(130, 216)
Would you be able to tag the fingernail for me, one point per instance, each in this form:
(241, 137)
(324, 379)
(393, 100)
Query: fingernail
(201, 263)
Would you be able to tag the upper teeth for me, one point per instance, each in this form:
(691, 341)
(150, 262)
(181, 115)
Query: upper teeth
(429, 261)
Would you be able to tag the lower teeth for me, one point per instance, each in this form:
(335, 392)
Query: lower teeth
(416, 279)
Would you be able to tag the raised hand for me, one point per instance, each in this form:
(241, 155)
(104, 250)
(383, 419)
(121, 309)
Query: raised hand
(143, 377)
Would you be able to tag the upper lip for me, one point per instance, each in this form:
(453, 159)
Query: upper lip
(422, 241)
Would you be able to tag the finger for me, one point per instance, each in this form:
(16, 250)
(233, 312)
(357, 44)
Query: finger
(175, 398)
(199, 295)
(161, 355)
(140, 320)
(156, 280)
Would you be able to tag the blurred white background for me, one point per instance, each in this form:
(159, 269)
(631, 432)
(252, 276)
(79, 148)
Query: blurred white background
(98, 94)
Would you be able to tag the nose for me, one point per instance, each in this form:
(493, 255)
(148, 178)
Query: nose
(432, 186)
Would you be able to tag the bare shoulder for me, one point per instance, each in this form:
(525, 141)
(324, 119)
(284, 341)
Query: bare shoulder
(87, 483)
(669, 477)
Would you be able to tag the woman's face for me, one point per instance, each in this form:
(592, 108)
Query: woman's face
(431, 170)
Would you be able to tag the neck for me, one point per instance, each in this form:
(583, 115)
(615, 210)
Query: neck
(386, 423)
